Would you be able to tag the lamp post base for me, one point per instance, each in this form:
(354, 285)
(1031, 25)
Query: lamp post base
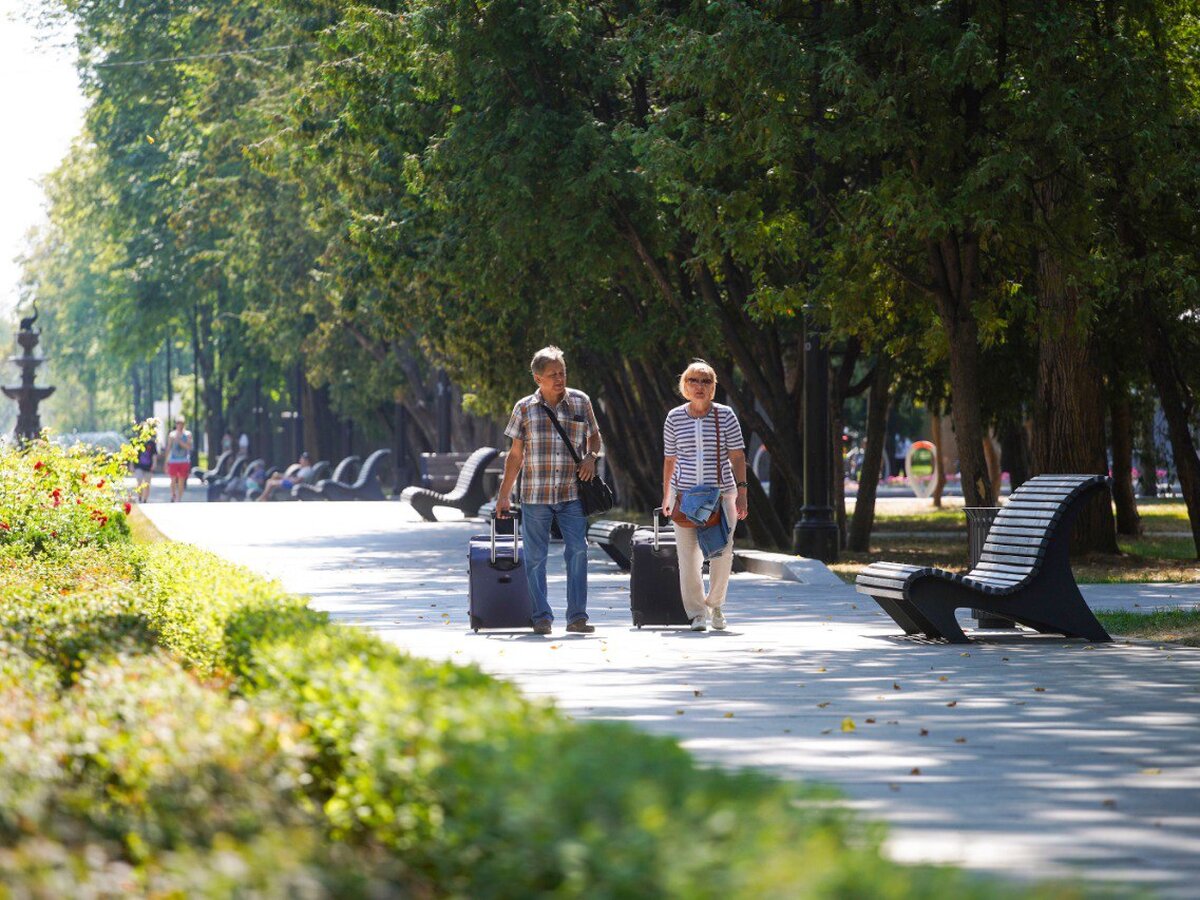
(816, 539)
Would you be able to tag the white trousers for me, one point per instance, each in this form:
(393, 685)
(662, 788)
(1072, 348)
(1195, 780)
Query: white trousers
(691, 563)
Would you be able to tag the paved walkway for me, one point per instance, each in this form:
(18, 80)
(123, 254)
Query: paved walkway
(1023, 755)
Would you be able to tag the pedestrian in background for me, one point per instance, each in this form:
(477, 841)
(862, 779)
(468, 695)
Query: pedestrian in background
(179, 458)
(143, 466)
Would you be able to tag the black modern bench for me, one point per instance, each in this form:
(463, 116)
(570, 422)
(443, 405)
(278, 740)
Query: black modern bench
(307, 490)
(1024, 573)
(217, 470)
(439, 471)
(365, 487)
(467, 495)
(615, 538)
(215, 486)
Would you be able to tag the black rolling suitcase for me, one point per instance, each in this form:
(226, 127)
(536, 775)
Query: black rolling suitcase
(497, 586)
(654, 597)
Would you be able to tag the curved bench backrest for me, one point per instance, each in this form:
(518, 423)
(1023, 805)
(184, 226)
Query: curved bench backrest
(475, 462)
(1020, 536)
(371, 466)
(223, 460)
(345, 469)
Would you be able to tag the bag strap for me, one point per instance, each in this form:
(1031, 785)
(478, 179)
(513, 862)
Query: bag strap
(562, 434)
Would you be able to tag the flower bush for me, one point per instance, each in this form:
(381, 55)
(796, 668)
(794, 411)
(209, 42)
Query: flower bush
(54, 498)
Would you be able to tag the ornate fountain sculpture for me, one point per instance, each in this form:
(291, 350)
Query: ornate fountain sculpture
(28, 396)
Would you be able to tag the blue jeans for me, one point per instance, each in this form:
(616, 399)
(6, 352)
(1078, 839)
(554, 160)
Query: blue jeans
(535, 532)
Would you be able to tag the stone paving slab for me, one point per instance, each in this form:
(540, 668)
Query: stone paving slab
(1023, 755)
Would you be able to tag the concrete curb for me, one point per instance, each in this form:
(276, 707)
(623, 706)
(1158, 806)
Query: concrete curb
(787, 568)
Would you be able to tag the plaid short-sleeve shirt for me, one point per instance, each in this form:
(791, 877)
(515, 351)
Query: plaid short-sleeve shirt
(548, 472)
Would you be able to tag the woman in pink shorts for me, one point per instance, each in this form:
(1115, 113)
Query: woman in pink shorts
(179, 458)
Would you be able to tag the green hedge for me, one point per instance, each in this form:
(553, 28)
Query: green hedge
(172, 725)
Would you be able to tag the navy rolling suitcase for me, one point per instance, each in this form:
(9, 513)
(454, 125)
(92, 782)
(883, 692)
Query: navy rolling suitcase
(497, 587)
(654, 596)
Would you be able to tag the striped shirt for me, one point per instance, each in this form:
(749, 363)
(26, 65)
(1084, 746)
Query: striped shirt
(693, 443)
(548, 471)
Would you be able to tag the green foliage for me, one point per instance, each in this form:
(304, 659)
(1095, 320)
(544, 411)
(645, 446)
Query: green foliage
(173, 723)
(53, 498)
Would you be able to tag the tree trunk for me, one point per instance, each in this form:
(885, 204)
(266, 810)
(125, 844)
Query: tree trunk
(1176, 404)
(1148, 454)
(939, 484)
(1014, 453)
(1128, 520)
(954, 264)
(1068, 409)
(877, 411)
(993, 464)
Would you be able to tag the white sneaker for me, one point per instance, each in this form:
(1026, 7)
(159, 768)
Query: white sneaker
(698, 623)
(718, 619)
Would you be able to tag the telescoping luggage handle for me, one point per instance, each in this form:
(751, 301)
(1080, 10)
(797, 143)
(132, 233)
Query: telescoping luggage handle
(656, 515)
(516, 517)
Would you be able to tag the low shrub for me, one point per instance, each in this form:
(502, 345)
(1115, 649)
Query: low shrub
(171, 724)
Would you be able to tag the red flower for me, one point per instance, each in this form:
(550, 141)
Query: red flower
(37, 465)
(100, 483)
(127, 508)
(4, 525)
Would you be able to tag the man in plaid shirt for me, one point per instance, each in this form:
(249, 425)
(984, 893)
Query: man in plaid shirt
(548, 488)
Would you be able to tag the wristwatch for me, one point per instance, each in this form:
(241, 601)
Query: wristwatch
(743, 484)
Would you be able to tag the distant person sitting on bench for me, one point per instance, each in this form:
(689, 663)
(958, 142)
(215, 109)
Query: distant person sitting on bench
(299, 471)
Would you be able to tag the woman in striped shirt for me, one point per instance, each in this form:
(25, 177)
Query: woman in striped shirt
(691, 456)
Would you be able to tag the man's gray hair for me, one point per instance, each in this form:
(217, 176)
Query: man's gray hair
(544, 357)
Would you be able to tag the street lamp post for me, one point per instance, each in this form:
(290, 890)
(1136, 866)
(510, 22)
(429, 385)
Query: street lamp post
(816, 534)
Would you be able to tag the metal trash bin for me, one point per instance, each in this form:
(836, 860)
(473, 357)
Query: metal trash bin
(979, 522)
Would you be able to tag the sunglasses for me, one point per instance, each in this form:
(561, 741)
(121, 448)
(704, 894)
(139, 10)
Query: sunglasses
(703, 381)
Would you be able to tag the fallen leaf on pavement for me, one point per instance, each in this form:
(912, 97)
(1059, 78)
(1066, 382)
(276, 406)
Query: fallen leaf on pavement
(848, 724)
(960, 740)
(924, 732)
(952, 703)
(729, 715)
(915, 771)
(822, 705)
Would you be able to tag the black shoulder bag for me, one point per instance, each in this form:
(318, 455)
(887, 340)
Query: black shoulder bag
(595, 496)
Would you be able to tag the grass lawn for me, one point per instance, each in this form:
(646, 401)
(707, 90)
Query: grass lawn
(1171, 626)
(911, 531)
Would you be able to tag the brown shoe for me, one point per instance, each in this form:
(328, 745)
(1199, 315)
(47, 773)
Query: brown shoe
(543, 626)
(581, 626)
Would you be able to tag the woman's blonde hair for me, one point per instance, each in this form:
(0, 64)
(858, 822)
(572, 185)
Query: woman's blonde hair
(695, 367)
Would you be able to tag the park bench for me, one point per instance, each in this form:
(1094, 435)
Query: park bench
(614, 538)
(365, 487)
(1024, 573)
(468, 493)
(218, 469)
(343, 474)
(235, 488)
(215, 486)
(439, 471)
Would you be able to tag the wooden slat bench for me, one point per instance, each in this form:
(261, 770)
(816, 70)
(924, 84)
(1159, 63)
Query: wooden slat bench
(468, 493)
(1024, 573)
(614, 538)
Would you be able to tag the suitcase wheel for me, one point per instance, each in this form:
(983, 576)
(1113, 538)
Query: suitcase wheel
(476, 624)
(638, 619)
